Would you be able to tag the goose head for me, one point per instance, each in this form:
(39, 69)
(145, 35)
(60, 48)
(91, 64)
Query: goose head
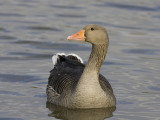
(93, 34)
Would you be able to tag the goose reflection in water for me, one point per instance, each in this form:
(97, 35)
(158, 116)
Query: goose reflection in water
(79, 114)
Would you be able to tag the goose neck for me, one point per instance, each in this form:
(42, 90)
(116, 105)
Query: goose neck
(97, 57)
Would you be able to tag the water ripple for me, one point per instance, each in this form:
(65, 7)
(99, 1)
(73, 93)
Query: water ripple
(66, 7)
(18, 78)
(115, 63)
(124, 102)
(120, 26)
(11, 15)
(142, 51)
(40, 96)
(54, 46)
(11, 93)
(3, 29)
(44, 28)
(11, 119)
(155, 88)
(70, 15)
(28, 56)
(7, 37)
(23, 21)
(129, 7)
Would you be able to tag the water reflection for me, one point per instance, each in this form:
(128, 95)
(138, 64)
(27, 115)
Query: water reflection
(79, 114)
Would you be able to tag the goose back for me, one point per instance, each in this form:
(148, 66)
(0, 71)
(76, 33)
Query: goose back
(65, 75)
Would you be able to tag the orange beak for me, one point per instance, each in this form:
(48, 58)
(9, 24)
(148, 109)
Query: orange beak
(79, 36)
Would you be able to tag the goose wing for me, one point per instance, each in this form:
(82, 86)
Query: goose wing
(65, 74)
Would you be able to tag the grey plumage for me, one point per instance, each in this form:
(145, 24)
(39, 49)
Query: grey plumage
(65, 76)
(75, 85)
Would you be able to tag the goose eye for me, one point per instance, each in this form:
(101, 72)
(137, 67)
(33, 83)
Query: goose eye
(92, 29)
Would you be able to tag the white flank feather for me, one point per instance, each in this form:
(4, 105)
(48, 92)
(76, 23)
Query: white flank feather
(76, 57)
(55, 58)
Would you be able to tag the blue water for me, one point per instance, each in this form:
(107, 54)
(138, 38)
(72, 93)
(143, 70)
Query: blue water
(31, 31)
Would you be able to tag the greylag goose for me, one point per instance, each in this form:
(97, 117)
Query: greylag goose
(72, 84)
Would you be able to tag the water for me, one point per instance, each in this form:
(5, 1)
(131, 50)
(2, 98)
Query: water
(31, 31)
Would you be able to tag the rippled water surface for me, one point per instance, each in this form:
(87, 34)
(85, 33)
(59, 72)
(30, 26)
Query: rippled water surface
(31, 31)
